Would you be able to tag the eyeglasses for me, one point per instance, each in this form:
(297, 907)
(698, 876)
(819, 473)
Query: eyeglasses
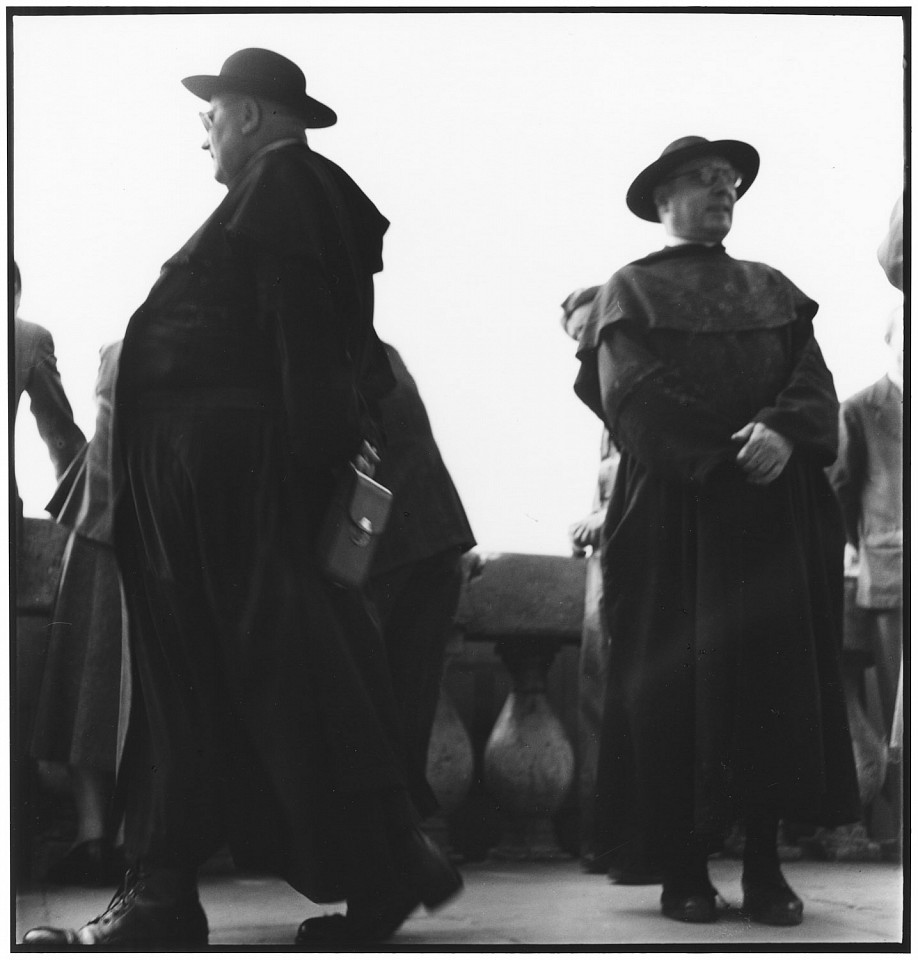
(710, 174)
(207, 119)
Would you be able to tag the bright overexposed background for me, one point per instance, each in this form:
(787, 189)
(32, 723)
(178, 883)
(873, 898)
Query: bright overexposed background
(500, 146)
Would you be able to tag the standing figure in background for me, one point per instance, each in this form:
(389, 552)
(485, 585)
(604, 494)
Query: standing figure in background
(262, 712)
(417, 570)
(608, 844)
(37, 375)
(890, 252)
(722, 545)
(594, 640)
(77, 718)
(867, 477)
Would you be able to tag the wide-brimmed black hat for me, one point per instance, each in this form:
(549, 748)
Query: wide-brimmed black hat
(743, 156)
(264, 73)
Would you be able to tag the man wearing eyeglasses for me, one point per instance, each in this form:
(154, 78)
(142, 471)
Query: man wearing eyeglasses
(722, 546)
(262, 713)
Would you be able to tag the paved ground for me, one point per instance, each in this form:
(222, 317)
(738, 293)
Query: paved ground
(550, 904)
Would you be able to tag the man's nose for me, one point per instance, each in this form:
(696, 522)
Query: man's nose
(206, 144)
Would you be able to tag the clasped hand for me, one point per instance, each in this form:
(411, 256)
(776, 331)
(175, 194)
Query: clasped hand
(764, 453)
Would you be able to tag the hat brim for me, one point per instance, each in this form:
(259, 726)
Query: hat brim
(312, 112)
(743, 156)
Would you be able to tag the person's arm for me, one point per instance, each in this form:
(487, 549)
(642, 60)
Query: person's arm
(803, 418)
(654, 414)
(890, 252)
(805, 412)
(848, 473)
(51, 409)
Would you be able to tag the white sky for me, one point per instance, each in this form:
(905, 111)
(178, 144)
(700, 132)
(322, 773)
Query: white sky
(500, 145)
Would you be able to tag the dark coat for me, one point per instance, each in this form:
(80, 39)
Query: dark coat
(417, 573)
(79, 704)
(723, 598)
(263, 709)
(427, 515)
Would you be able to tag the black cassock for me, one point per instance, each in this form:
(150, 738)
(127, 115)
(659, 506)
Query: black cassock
(723, 598)
(261, 709)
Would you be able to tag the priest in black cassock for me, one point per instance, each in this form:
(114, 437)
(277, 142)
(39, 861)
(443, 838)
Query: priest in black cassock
(722, 546)
(261, 713)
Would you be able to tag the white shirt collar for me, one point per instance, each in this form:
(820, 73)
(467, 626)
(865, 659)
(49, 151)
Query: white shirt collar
(681, 242)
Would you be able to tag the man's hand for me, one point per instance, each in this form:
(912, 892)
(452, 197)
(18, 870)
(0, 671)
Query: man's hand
(764, 453)
(366, 460)
(585, 533)
(852, 560)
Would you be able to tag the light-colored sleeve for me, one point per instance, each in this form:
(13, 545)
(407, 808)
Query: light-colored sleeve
(890, 251)
(50, 407)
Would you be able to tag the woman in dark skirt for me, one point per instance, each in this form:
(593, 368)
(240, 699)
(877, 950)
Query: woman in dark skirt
(78, 708)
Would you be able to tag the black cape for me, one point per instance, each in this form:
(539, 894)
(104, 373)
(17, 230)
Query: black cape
(246, 383)
(723, 598)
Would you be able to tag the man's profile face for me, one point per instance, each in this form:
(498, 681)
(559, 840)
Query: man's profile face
(225, 140)
(700, 198)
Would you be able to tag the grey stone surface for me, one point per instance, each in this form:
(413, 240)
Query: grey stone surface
(519, 594)
(551, 904)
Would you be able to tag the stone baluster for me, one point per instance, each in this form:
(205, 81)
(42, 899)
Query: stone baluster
(528, 760)
(450, 757)
(528, 606)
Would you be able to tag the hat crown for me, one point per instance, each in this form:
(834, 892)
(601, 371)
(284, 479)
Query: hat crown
(682, 143)
(264, 73)
(264, 66)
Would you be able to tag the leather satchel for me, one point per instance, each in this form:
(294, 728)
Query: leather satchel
(352, 527)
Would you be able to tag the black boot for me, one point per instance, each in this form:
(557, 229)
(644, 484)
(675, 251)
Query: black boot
(687, 891)
(153, 907)
(770, 900)
(423, 875)
(767, 897)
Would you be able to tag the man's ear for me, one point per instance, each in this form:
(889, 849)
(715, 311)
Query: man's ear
(661, 198)
(251, 115)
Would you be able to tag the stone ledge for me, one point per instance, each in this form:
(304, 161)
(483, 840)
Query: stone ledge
(514, 595)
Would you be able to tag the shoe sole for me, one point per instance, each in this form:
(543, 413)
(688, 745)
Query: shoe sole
(785, 920)
(691, 916)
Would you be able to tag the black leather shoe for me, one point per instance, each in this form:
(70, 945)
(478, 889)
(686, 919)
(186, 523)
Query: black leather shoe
(329, 928)
(690, 908)
(431, 880)
(363, 923)
(772, 901)
(135, 918)
(690, 898)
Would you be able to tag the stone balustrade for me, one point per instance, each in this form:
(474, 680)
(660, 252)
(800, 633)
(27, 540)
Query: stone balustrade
(502, 757)
(501, 760)
(525, 608)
